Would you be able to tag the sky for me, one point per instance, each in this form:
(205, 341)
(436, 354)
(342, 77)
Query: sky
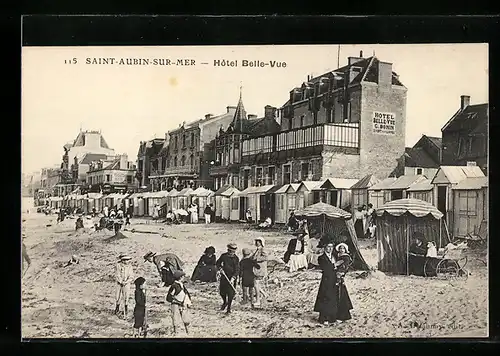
(139, 102)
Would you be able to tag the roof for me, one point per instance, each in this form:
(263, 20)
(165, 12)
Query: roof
(222, 189)
(185, 192)
(173, 193)
(94, 195)
(437, 141)
(320, 209)
(418, 157)
(310, 184)
(230, 191)
(366, 182)
(92, 157)
(282, 189)
(114, 165)
(468, 118)
(159, 194)
(383, 184)
(263, 189)
(198, 190)
(80, 139)
(404, 182)
(337, 183)
(455, 174)
(248, 190)
(474, 183)
(415, 207)
(422, 186)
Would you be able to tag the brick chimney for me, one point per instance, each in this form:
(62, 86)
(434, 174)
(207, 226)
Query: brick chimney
(124, 161)
(384, 75)
(269, 112)
(464, 101)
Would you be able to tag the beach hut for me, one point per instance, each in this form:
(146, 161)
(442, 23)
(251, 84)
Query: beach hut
(470, 206)
(281, 216)
(398, 189)
(335, 191)
(359, 191)
(156, 198)
(174, 199)
(304, 193)
(378, 194)
(445, 179)
(56, 202)
(262, 199)
(93, 202)
(235, 214)
(184, 198)
(223, 209)
(422, 191)
(334, 225)
(202, 197)
(396, 222)
(248, 202)
(218, 199)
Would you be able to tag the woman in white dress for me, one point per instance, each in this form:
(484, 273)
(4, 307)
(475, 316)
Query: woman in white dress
(194, 213)
(296, 254)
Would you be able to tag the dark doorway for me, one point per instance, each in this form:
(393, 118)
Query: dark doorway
(271, 204)
(242, 208)
(396, 194)
(263, 209)
(441, 199)
(333, 197)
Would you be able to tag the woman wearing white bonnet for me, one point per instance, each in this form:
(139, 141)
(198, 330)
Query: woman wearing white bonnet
(260, 256)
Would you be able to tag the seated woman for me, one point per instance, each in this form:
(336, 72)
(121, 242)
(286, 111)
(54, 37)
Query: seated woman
(295, 256)
(267, 223)
(313, 252)
(293, 223)
(79, 223)
(416, 254)
(170, 217)
(205, 270)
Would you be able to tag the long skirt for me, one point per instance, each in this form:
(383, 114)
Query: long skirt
(139, 316)
(334, 305)
(297, 262)
(360, 229)
(205, 274)
(225, 289)
(194, 218)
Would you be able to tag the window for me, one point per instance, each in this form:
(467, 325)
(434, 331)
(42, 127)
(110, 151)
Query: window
(419, 171)
(108, 177)
(290, 123)
(287, 174)
(129, 179)
(183, 161)
(271, 174)
(302, 119)
(175, 142)
(292, 202)
(234, 203)
(329, 115)
(184, 141)
(191, 161)
(304, 172)
(396, 194)
(246, 178)
(258, 176)
(467, 203)
(192, 139)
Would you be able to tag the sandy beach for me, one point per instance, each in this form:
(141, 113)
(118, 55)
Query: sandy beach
(78, 301)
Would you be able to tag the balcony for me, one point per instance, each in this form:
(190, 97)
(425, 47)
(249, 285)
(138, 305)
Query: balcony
(185, 171)
(344, 135)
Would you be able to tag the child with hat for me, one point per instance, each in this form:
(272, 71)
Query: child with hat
(247, 276)
(179, 299)
(124, 275)
(140, 323)
(228, 265)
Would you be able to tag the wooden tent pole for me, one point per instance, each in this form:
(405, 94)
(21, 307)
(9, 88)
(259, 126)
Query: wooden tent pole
(323, 226)
(440, 228)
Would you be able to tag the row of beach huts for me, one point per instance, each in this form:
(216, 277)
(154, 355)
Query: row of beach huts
(459, 192)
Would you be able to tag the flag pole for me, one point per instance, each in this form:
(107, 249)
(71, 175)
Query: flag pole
(338, 57)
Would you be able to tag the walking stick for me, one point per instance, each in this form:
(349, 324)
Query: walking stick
(227, 279)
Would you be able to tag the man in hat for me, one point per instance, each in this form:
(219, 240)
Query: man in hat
(228, 265)
(166, 264)
(124, 276)
(259, 256)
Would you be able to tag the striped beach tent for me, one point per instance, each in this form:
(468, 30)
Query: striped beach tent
(396, 223)
(331, 224)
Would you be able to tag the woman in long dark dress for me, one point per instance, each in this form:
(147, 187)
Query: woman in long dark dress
(140, 323)
(205, 270)
(333, 302)
(359, 223)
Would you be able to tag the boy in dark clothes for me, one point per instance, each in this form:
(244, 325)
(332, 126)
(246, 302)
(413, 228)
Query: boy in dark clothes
(228, 265)
(247, 277)
(140, 320)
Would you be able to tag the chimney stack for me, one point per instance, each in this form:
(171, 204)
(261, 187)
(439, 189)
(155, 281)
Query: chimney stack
(360, 54)
(124, 161)
(464, 101)
(269, 112)
(252, 116)
(384, 75)
(208, 116)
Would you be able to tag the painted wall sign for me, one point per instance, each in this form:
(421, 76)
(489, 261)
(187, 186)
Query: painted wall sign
(384, 123)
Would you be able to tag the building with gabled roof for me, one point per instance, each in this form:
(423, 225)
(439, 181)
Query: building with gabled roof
(111, 175)
(423, 158)
(465, 136)
(345, 123)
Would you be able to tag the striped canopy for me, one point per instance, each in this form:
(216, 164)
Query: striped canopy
(320, 209)
(415, 207)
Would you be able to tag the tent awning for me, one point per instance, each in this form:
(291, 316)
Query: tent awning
(320, 209)
(159, 194)
(94, 196)
(415, 207)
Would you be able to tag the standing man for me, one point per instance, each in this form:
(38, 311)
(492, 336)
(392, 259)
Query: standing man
(228, 265)
(208, 214)
(259, 256)
(166, 264)
(124, 276)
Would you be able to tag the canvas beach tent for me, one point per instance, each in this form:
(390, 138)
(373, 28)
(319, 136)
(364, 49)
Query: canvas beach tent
(334, 224)
(396, 222)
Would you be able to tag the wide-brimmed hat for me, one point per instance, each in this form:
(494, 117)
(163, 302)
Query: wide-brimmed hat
(124, 257)
(210, 249)
(343, 245)
(149, 255)
(177, 274)
(262, 241)
(232, 246)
